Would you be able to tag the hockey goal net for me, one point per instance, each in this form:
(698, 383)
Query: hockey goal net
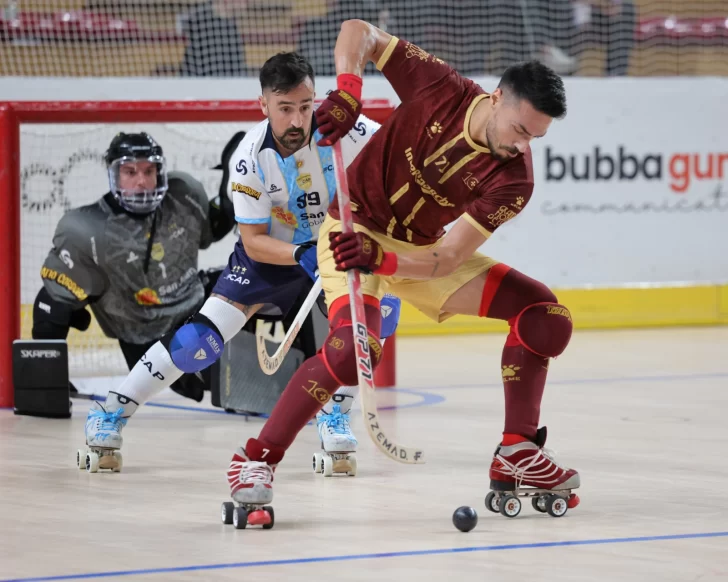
(51, 160)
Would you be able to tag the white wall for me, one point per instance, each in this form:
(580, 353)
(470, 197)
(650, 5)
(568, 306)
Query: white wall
(664, 224)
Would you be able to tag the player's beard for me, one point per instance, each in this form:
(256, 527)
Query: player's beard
(292, 139)
(491, 141)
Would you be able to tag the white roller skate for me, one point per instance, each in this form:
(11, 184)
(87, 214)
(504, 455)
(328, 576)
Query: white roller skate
(526, 469)
(251, 488)
(103, 434)
(338, 444)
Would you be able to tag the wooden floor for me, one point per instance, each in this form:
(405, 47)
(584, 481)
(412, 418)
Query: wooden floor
(641, 414)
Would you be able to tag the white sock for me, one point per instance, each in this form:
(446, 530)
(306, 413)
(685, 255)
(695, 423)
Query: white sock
(156, 370)
(344, 397)
(228, 318)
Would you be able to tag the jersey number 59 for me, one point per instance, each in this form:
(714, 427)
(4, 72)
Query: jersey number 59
(308, 199)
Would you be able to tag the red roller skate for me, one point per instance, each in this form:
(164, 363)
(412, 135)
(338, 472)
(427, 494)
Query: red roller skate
(251, 487)
(523, 468)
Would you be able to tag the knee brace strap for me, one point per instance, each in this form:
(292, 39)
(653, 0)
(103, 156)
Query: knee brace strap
(543, 328)
(339, 354)
(194, 346)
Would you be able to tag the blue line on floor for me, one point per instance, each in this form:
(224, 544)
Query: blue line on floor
(439, 398)
(382, 555)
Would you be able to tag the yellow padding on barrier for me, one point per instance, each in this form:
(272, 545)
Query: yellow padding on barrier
(590, 309)
(601, 309)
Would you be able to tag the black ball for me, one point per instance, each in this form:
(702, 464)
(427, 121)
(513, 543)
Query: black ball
(465, 518)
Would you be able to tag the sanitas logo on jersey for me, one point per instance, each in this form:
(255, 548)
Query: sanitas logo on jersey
(242, 188)
(147, 296)
(284, 216)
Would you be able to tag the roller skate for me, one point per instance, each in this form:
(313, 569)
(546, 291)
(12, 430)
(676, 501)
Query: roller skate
(338, 444)
(251, 487)
(523, 468)
(103, 434)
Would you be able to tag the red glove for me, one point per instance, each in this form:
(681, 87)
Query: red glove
(357, 250)
(338, 113)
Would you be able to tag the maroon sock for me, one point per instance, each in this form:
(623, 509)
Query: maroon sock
(313, 384)
(506, 293)
(308, 390)
(524, 380)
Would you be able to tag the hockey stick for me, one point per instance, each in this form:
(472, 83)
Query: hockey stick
(270, 364)
(364, 369)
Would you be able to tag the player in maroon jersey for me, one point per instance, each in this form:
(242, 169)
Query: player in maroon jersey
(449, 153)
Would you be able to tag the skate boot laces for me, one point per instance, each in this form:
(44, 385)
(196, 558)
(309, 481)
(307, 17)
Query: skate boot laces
(251, 472)
(108, 421)
(520, 470)
(337, 422)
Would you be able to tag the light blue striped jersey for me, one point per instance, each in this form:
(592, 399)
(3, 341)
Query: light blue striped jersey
(291, 195)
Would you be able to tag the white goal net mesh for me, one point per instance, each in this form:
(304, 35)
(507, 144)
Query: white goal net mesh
(232, 38)
(61, 167)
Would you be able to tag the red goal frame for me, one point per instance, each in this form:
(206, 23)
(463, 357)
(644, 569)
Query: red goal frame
(13, 114)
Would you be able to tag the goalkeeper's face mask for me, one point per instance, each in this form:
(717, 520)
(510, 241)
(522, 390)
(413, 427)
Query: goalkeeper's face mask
(138, 184)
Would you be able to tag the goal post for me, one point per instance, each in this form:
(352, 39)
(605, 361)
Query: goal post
(50, 161)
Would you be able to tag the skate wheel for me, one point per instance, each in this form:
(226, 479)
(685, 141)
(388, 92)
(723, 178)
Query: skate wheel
(119, 461)
(327, 466)
(573, 501)
(556, 506)
(510, 506)
(352, 470)
(92, 462)
(539, 503)
(226, 512)
(240, 518)
(492, 503)
(81, 458)
(317, 463)
(272, 515)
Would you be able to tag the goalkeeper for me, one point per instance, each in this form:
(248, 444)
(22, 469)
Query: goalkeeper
(131, 256)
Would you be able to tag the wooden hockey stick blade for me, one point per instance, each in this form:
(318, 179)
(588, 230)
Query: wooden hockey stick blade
(270, 364)
(364, 368)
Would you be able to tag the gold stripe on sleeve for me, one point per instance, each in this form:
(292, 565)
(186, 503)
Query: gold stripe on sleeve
(475, 224)
(387, 53)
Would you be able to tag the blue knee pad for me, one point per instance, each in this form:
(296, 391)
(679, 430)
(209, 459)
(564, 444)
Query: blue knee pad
(390, 306)
(195, 345)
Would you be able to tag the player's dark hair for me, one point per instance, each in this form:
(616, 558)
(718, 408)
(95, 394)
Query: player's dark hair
(537, 84)
(284, 71)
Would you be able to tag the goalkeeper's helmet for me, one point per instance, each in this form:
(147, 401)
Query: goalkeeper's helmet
(137, 172)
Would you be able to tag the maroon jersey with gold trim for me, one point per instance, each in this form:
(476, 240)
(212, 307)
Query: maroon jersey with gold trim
(422, 170)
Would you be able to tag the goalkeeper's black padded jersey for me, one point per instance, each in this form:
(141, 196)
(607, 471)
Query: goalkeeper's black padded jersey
(138, 273)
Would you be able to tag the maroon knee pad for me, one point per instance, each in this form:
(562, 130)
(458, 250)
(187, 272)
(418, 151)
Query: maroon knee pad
(543, 328)
(339, 351)
(339, 354)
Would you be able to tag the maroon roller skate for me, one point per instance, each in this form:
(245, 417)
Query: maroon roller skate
(251, 486)
(523, 468)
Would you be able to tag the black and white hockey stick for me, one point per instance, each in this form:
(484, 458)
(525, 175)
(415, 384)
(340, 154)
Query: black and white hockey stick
(270, 364)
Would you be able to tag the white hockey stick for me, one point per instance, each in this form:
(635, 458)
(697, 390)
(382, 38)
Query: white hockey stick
(270, 364)
(365, 371)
